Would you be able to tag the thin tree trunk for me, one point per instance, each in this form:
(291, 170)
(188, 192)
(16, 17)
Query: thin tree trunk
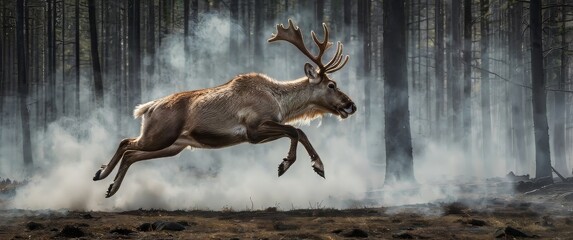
(347, 14)
(33, 46)
(186, 26)
(51, 64)
(233, 41)
(485, 81)
(23, 85)
(439, 73)
(134, 82)
(151, 42)
(115, 61)
(77, 57)
(103, 40)
(364, 33)
(456, 72)
(39, 63)
(399, 159)
(258, 48)
(428, 90)
(467, 124)
(166, 16)
(63, 58)
(516, 66)
(448, 108)
(124, 22)
(559, 146)
(542, 154)
(319, 11)
(195, 11)
(98, 84)
(3, 77)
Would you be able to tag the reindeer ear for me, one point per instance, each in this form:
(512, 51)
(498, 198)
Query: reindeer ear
(311, 73)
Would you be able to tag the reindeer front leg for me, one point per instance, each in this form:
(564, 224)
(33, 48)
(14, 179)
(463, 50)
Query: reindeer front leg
(269, 131)
(291, 157)
(315, 159)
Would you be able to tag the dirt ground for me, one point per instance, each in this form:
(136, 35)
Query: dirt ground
(545, 213)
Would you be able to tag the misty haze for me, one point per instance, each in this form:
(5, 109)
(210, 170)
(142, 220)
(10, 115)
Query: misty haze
(449, 119)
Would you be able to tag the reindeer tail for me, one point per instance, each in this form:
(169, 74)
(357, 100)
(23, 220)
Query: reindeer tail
(142, 109)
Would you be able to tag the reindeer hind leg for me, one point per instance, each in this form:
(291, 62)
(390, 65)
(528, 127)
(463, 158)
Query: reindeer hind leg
(105, 170)
(131, 157)
(156, 133)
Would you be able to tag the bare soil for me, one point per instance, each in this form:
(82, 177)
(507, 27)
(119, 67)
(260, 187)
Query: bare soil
(545, 213)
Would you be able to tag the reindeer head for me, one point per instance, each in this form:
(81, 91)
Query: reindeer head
(325, 93)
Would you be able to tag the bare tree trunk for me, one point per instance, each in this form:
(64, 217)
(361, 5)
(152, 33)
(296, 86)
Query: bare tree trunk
(134, 82)
(542, 154)
(77, 57)
(258, 48)
(467, 57)
(516, 66)
(347, 13)
(195, 11)
(456, 90)
(23, 85)
(319, 11)
(51, 111)
(166, 17)
(186, 26)
(485, 80)
(3, 77)
(448, 108)
(439, 73)
(39, 70)
(32, 61)
(150, 50)
(103, 39)
(63, 58)
(233, 41)
(399, 159)
(559, 146)
(364, 32)
(98, 84)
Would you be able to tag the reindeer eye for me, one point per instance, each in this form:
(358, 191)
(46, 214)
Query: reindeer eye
(331, 85)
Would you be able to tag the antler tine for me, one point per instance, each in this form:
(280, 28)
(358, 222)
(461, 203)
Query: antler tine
(322, 46)
(334, 69)
(336, 58)
(293, 35)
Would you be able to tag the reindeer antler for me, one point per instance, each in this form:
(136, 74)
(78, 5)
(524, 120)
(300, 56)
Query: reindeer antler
(293, 35)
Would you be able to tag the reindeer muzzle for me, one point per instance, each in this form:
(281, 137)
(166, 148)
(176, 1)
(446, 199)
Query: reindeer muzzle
(347, 110)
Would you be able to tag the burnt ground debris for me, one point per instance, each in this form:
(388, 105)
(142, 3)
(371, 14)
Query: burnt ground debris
(544, 212)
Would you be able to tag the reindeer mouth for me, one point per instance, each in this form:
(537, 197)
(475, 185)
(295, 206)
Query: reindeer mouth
(347, 110)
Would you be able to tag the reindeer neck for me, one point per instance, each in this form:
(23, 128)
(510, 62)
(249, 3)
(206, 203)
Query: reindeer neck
(295, 99)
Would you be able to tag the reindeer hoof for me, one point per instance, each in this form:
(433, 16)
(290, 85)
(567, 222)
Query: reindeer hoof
(319, 172)
(96, 177)
(283, 167)
(109, 192)
(98, 173)
(318, 168)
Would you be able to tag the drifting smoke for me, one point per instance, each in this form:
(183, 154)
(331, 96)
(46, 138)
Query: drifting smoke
(241, 177)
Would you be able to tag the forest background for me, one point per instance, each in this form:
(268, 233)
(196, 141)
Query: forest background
(480, 77)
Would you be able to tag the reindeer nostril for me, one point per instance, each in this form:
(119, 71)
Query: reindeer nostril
(349, 107)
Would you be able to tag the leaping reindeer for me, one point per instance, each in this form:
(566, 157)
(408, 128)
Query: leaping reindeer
(250, 108)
